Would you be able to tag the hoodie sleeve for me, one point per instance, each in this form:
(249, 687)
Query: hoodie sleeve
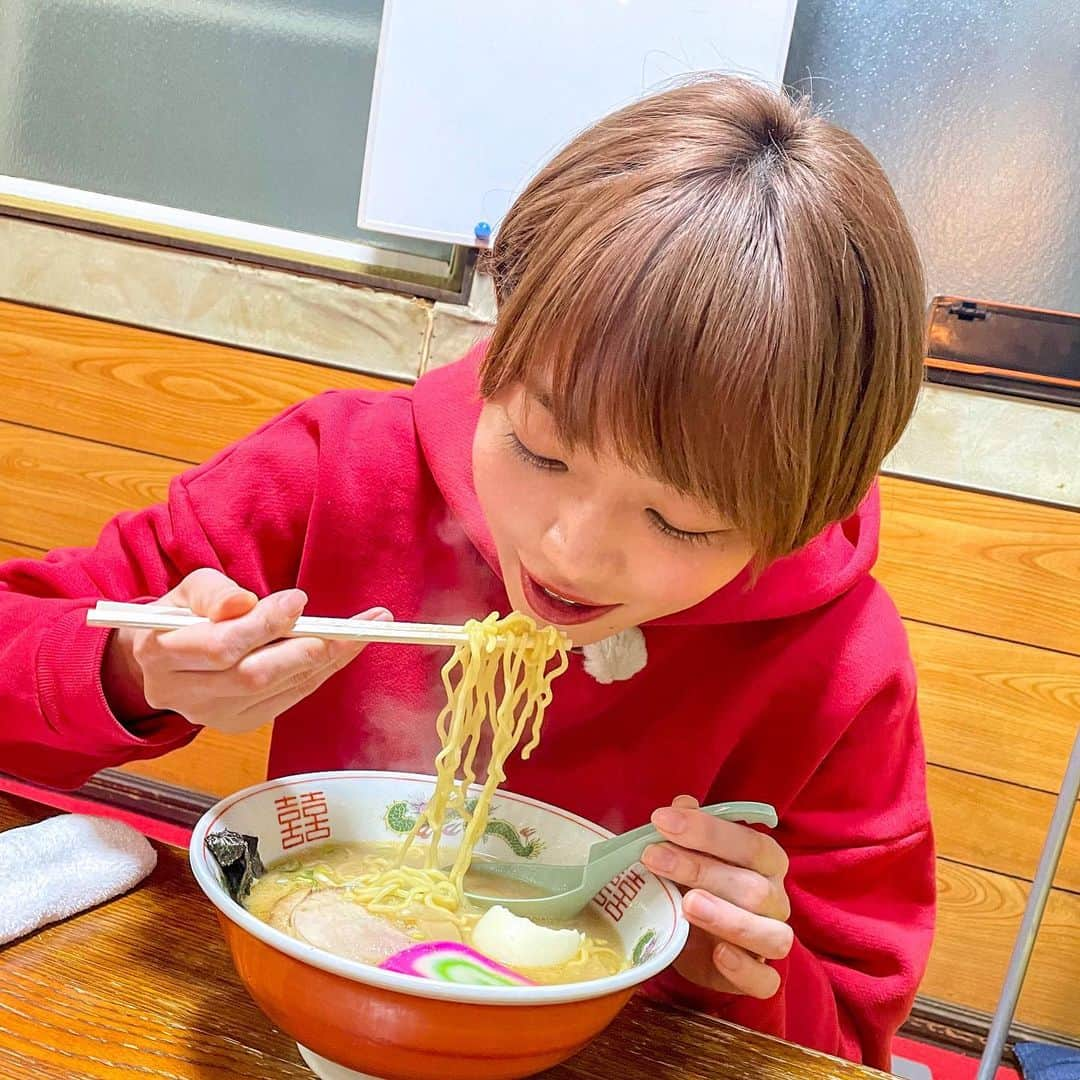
(862, 892)
(243, 513)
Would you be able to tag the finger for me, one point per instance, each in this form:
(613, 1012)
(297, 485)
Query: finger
(283, 665)
(212, 697)
(706, 962)
(685, 802)
(256, 710)
(727, 840)
(279, 666)
(210, 593)
(239, 723)
(696, 962)
(744, 888)
(233, 702)
(746, 973)
(759, 935)
(270, 708)
(219, 646)
(342, 653)
(297, 667)
(258, 675)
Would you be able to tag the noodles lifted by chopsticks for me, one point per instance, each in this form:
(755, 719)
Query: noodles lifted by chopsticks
(497, 681)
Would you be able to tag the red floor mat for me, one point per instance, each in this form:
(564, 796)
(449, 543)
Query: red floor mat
(943, 1064)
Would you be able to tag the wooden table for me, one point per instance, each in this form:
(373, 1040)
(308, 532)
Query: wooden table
(143, 988)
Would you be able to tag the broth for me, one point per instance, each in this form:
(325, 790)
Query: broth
(308, 898)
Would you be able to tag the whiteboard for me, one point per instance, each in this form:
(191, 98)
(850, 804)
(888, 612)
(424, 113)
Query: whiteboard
(472, 97)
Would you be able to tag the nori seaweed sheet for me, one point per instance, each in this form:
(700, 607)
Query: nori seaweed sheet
(238, 857)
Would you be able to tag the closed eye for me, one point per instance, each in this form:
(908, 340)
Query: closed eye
(526, 455)
(668, 529)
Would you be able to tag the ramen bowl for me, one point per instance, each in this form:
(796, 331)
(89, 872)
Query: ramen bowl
(352, 1020)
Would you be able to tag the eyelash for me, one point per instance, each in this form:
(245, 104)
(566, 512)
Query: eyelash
(551, 465)
(526, 455)
(678, 534)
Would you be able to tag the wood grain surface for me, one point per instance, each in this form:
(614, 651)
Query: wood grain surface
(142, 987)
(994, 707)
(978, 916)
(95, 418)
(997, 826)
(57, 491)
(214, 764)
(984, 563)
(166, 395)
(10, 550)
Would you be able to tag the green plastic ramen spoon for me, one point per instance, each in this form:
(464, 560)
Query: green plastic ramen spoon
(568, 889)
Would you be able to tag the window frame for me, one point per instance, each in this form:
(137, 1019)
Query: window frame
(350, 262)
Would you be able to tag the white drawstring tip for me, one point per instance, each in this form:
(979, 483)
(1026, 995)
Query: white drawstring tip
(617, 658)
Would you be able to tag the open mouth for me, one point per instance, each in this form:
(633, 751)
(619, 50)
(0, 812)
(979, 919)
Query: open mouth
(555, 606)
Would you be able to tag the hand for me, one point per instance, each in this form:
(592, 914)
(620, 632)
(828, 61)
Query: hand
(736, 906)
(233, 674)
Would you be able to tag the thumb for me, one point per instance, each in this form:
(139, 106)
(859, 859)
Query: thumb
(346, 651)
(375, 614)
(695, 963)
(210, 593)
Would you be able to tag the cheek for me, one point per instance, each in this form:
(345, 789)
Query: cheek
(508, 496)
(488, 478)
(487, 467)
(673, 581)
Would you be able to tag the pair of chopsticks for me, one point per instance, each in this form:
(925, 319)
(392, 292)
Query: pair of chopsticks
(118, 616)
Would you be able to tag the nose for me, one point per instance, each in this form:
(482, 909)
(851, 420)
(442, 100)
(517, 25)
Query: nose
(583, 546)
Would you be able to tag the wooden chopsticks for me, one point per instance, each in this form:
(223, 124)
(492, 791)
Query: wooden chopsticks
(108, 613)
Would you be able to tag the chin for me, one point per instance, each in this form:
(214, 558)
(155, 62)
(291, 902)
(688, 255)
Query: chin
(591, 633)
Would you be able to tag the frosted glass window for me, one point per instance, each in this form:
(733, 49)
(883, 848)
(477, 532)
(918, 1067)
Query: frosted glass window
(253, 110)
(971, 107)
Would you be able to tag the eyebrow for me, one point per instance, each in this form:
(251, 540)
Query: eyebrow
(542, 396)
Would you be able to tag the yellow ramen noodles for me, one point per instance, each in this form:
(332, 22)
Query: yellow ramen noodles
(497, 681)
(367, 902)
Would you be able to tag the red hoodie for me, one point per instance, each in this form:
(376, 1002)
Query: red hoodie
(798, 691)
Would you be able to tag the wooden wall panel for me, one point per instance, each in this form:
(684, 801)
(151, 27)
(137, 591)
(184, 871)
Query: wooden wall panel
(996, 826)
(146, 390)
(978, 917)
(11, 550)
(95, 418)
(214, 764)
(992, 565)
(56, 490)
(994, 707)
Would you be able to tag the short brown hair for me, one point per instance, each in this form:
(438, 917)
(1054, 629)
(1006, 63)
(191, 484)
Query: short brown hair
(720, 286)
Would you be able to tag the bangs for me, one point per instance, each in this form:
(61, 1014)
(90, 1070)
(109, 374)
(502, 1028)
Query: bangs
(720, 289)
(650, 335)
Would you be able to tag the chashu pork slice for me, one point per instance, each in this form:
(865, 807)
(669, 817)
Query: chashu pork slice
(328, 919)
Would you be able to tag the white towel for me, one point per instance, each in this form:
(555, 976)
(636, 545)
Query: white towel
(63, 865)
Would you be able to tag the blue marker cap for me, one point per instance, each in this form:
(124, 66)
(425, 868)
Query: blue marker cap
(482, 231)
